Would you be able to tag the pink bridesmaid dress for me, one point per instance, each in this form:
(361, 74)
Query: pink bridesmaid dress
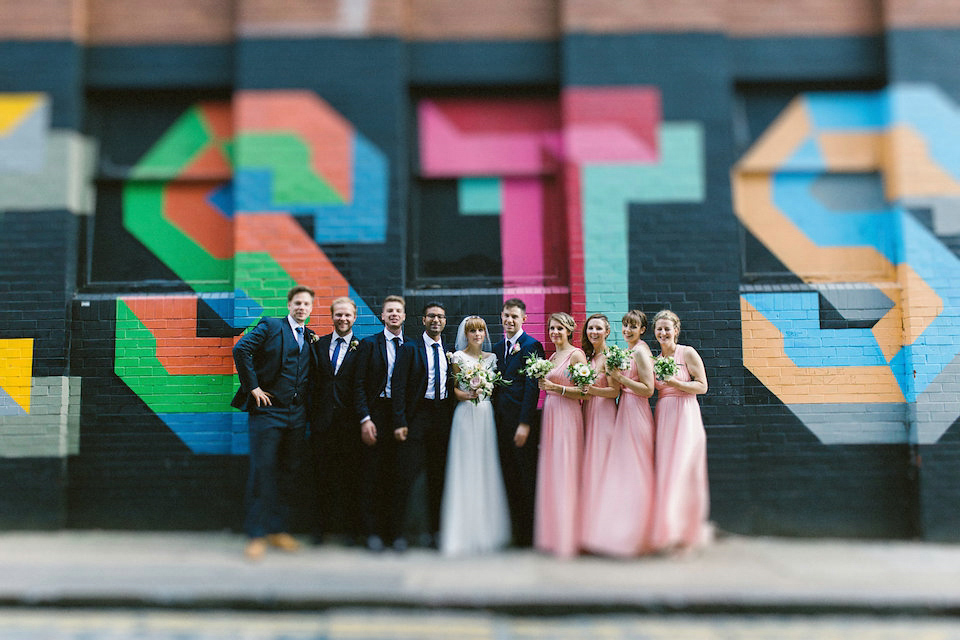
(682, 502)
(599, 415)
(556, 527)
(619, 520)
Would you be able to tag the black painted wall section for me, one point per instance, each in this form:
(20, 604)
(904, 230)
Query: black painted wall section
(925, 56)
(54, 68)
(807, 58)
(483, 63)
(157, 66)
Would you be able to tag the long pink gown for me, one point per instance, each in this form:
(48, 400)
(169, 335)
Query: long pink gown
(556, 527)
(599, 415)
(619, 521)
(682, 502)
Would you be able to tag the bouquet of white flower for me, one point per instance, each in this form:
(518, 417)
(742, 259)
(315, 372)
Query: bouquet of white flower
(618, 358)
(536, 367)
(478, 377)
(582, 374)
(664, 367)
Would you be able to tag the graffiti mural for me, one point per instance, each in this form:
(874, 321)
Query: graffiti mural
(39, 405)
(221, 200)
(855, 193)
(608, 146)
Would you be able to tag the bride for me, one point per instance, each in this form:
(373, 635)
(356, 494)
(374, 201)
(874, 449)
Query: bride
(474, 517)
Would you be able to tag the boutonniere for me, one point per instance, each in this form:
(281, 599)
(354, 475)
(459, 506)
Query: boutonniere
(314, 338)
(449, 355)
(515, 349)
(353, 344)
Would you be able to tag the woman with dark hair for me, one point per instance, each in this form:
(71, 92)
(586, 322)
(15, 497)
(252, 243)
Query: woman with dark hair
(599, 414)
(620, 518)
(682, 501)
(556, 528)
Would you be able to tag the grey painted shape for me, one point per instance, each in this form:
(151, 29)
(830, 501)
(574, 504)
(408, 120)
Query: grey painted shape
(945, 213)
(853, 192)
(52, 428)
(938, 406)
(23, 148)
(858, 302)
(65, 181)
(855, 423)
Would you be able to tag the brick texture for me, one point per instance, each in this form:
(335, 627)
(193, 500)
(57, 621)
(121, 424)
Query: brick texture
(145, 22)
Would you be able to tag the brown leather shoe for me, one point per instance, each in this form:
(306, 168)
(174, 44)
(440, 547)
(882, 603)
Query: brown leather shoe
(283, 541)
(255, 549)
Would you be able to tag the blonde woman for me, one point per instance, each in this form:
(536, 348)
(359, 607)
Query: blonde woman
(556, 521)
(682, 501)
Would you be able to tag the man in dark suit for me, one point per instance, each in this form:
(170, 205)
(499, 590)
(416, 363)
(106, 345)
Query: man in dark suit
(334, 434)
(376, 357)
(515, 412)
(423, 401)
(273, 366)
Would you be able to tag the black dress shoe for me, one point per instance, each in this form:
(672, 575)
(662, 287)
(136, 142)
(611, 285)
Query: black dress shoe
(375, 544)
(400, 545)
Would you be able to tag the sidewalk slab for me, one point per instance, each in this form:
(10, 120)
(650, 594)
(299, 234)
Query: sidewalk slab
(735, 575)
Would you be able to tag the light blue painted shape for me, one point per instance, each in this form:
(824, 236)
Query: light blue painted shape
(793, 195)
(807, 156)
(221, 199)
(797, 317)
(9, 406)
(367, 321)
(480, 196)
(252, 189)
(23, 148)
(363, 221)
(607, 190)
(211, 433)
(849, 111)
(246, 310)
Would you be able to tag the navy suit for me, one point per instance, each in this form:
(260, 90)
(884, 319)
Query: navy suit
(269, 357)
(379, 476)
(512, 405)
(428, 427)
(334, 437)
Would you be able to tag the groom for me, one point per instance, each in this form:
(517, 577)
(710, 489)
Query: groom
(423, 402)
(515, 409)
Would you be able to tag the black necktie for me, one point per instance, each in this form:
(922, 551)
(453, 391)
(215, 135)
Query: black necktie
(336, 355)
(436, 372)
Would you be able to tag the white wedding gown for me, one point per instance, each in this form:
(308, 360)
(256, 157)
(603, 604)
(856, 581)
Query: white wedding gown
(475, 517)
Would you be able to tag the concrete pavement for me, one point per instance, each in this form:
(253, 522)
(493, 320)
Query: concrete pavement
(737, 575)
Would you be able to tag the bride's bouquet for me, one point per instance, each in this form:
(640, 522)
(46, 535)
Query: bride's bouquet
(536, 367)
(664, 367)
(618, 358)
(582, 374)
(480, 378)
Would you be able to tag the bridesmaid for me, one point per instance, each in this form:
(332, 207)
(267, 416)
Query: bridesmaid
(561, 447)
(599, 413)
(620, 520)
(682, 495)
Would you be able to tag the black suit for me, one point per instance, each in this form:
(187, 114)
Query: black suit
(269, 357)
(334, 437)
(512, 405)
(379, 476)
(428, 427)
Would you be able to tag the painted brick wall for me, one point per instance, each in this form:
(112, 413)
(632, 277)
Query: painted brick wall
(792, 203)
